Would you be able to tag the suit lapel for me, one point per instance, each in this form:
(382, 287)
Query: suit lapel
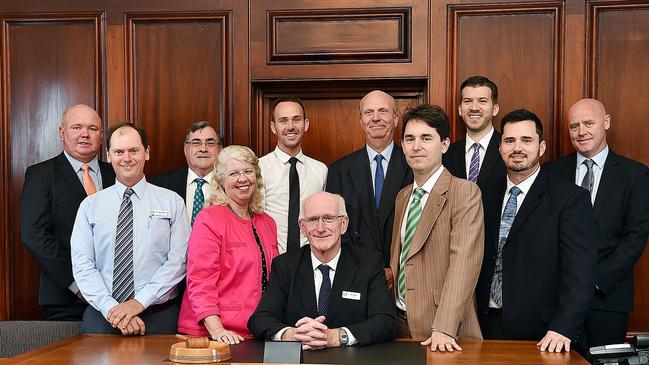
(493, 211)
(181, 183)
(490, 159)
(531, 201)
(394, 180)
(362, 180)
(69, 176)
(305, 285)
(343, 279)
(611, 169)
(430, 213)
(459, 159)
(107, 175)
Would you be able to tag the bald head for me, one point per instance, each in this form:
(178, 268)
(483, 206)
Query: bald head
(588, 123)
(76, 110)
(379, 118)
(81, 132)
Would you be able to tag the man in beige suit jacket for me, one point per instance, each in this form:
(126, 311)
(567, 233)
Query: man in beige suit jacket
(439, 227)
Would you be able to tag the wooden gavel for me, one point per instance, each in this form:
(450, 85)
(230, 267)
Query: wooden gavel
(195, 342)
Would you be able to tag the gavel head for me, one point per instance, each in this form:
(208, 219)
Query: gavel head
(197, 342)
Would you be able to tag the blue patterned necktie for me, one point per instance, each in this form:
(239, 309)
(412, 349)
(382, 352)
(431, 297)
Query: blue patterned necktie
(325, 290)
(505, 225)
(378, 180)
(589, 178)
(199, 198)
(123, 286)
(474, 167)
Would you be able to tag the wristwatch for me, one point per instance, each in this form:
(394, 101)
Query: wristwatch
(343, 338)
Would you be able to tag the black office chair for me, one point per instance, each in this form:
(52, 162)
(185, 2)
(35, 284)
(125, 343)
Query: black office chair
(17, 337)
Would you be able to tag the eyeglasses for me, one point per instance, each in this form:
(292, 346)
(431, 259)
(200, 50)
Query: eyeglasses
(208, 143)
(383, 112)
(327, 219)
(246, 173)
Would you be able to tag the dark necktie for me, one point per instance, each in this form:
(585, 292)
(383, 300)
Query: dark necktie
(325, 290)
(293, 236)
(199, 198)
(378, 180)
(505, 225)
(589, 178)
(474, 167)
(123, 287)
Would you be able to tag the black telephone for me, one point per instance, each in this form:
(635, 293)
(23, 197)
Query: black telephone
(634, 353)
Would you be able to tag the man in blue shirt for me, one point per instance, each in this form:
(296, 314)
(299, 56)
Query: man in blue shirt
(129, 245)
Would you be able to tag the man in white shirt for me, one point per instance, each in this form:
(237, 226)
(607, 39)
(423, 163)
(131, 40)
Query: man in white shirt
(476, 157)
(202, 146)
(289, 176)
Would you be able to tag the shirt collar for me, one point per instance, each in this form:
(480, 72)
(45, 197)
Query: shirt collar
(333, 263)
(387, 152)
(484, 141)
(524, 185)
(191, 176)
(284, 157)
(430, 183)
(76, 164)
(138, 188)
(599, 158)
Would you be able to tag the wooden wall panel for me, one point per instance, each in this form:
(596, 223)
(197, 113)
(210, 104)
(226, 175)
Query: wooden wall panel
(354, 39)
(332, 109)
(50, 63)
(506, 44)
(618, 76)
(177, 74)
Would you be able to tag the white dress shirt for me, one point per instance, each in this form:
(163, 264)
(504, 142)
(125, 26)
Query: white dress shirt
(468, 149)
(371, 154)
(191, 190)
(275, 170)
(598, 168)
(317, 279)
(428, 187)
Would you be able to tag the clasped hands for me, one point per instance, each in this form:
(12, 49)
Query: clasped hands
(124, 316)
(313, 334)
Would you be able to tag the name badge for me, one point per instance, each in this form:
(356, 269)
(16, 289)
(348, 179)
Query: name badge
(158, 213)
(351, 295)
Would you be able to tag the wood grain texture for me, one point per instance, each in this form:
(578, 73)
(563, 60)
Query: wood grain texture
(50, 63)
(618, 50)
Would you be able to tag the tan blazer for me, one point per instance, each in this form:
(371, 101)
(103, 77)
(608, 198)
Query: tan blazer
(444, 261)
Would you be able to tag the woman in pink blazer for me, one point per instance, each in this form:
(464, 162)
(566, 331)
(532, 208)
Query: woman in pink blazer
(230, 251)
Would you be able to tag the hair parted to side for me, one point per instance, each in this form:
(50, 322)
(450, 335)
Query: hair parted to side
(202, 124)
(478, 81)
(239, 153)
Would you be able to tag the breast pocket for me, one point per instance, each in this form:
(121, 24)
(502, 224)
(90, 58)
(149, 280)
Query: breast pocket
(159, 232)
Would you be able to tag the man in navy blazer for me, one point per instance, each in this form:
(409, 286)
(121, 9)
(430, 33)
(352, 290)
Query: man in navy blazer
(49, 202)
(478, 107)
(538, 269)
(371, 215)
(619, 192)
(327, 293)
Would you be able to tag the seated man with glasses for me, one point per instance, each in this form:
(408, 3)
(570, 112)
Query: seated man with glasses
(326, 294)
(192, 183)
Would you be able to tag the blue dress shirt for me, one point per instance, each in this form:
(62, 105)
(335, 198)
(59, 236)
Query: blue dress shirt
(160, 233)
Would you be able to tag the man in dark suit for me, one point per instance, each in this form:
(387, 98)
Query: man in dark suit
(476, 157)
(327, 293)
(538, 269)
(370, 200)
(192, 183)
(619, 191)
(49, 202)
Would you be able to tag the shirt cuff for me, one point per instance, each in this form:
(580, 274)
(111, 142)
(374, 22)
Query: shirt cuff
(350, 337)
(278, 335)
(74, 288)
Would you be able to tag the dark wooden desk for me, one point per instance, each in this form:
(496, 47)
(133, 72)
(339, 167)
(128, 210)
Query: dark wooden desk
(108, 349)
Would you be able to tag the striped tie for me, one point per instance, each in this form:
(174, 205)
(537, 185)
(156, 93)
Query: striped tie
(123, 287)
(474, 167)
(414, 213)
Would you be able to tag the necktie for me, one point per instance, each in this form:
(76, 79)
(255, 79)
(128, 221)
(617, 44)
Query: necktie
(589, 179)
(505, 225)
(325, 290)
(199, 198)
(123, 287)
(293, 236)
(474, 167)
(88, 184)
(378, 180)
(414, 213)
